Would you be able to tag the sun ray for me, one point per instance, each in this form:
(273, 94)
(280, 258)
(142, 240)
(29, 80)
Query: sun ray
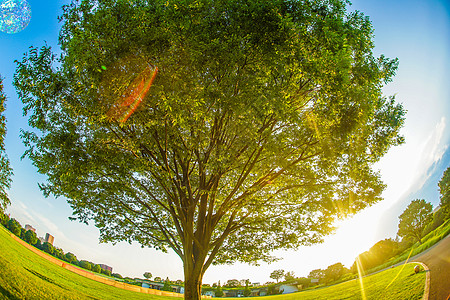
(360, 276)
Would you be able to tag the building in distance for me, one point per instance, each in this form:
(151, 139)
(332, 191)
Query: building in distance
(49, 238)
(29, 227)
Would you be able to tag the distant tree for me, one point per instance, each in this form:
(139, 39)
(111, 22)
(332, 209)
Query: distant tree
(214, 285)
(106, 272)
(47, 247)
(5, 169)
(117, 275)
(289, 276)
(167, 286)
(148, 275)
(232, 283)
(444, 190)
(158, 279)
(96, 268)
(59, 253)
(85, 264)
(38, 244)
(14, 226)
(414, 219)
(377, 254)
(23, 231)
(334, 272)
(70, 258)
(317, 274)
(247, 291)
(219, 292)
(277, 274)
(438, 219)
(31, 237)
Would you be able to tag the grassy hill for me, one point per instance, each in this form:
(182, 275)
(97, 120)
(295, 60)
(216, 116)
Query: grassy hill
(25, 275)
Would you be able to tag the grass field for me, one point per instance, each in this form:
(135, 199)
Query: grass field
(395, 283)
(25, 275)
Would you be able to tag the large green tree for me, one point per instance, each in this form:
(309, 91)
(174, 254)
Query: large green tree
(444, 190)
(260, 128)
(5, 169)
(414, 219)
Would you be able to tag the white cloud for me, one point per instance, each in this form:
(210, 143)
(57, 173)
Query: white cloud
(433, 150)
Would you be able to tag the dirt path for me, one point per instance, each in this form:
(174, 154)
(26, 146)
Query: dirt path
(437, 259)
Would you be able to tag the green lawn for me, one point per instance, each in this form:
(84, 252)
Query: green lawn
(395, 283)
(25, 275)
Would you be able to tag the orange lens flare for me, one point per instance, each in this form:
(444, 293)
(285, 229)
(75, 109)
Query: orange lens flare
(136, 93)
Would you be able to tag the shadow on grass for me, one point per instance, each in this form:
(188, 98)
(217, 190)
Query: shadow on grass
(43, 277)
(8, 294)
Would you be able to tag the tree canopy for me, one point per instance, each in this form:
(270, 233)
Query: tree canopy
(444, 190)
(5, 169)
(414, 219)
(277, 274)
(220, 129)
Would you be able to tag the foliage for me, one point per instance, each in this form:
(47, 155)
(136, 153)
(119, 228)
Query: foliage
(59, 253)
(85, 264)
(30, 237)
(157, 279)
(277, 274)
(148, 275)
(378, 254)
(219, 292)
(334, 272)
(232, 283)
(70, 258)
(444, 190)
(47, 247)
(96, 268)
(317, 274)
(5, 169)
(22, 233)
(414, 219)
(438, 219)
(14, 226)
(247, 291)
(251, 139)
(167, 286)
(288, 276)
(117, 275)
(4, 218)
(106, 272)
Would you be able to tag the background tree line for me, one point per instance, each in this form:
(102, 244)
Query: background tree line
(31, 238)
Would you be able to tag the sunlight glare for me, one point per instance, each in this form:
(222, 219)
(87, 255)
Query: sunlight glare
(360, 277)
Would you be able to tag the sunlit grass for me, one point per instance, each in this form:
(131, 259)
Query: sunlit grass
(25, 275)
(396, 283)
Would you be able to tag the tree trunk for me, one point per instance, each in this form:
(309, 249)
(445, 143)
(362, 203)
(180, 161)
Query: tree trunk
(192, 283)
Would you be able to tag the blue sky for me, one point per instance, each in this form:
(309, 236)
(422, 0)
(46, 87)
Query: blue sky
(417, 32)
